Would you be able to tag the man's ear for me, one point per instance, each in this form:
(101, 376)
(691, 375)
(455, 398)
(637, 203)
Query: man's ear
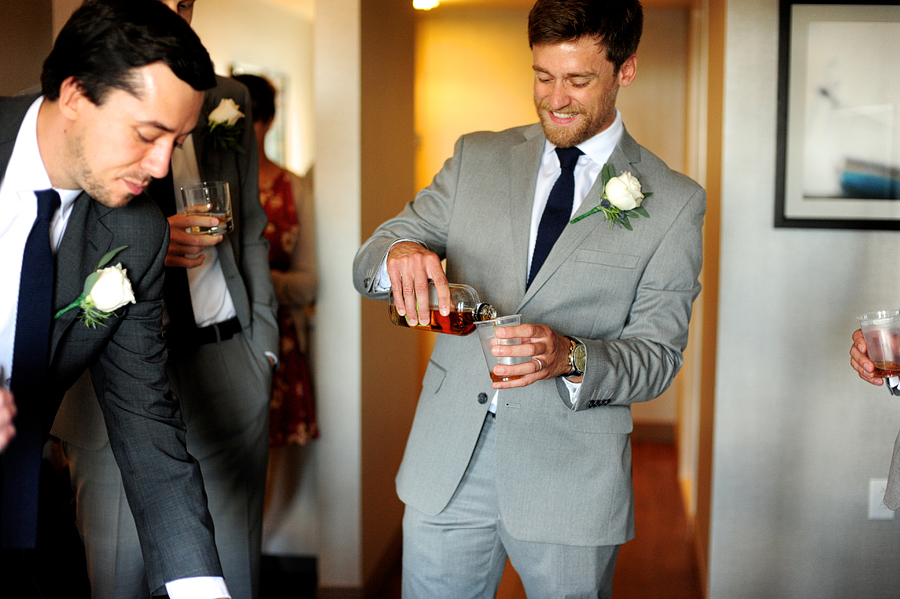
(71, 98)
(627, 71)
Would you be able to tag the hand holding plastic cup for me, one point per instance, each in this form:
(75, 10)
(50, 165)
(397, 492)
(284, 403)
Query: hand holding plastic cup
(881, 330)
(486, 330)
(209, 198)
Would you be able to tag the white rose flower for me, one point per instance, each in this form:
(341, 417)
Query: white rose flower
(111, 290)
(624, 191)
(226, 113)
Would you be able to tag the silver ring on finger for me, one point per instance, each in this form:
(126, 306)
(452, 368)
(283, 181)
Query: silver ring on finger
(540, 364)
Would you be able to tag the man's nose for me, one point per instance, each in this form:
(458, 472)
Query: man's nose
(156, 161)
(558, 98)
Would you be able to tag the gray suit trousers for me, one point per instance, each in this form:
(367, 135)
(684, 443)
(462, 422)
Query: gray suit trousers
(461, 552)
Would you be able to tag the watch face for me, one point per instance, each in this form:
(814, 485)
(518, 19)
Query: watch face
(580, 357)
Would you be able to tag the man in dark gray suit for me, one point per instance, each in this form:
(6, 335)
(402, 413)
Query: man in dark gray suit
(222, 338)
(538, 468)
(122, 86)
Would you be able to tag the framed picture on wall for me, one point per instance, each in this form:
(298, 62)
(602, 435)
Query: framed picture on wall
(838, 153)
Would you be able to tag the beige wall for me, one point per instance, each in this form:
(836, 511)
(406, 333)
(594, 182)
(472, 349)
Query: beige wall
(25, 29)
(391, 383)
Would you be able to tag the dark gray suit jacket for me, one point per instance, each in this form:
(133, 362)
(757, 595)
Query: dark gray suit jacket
(243, 256)
(564, 470)
(127, 362)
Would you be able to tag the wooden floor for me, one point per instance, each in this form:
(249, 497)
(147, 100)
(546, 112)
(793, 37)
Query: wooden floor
(659, 563)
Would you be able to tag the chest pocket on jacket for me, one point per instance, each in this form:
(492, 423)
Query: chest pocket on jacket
(606, 258)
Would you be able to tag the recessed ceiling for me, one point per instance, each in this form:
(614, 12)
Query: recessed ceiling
(530, 3)
(307, 8)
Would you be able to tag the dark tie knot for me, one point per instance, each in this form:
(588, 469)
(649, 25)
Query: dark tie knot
(48, 203)
(568, 157)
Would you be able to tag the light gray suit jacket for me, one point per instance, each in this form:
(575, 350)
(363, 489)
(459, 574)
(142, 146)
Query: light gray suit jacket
(565, 470)
(127, 361)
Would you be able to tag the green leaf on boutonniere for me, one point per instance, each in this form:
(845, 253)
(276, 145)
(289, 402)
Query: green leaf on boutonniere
(89, 282)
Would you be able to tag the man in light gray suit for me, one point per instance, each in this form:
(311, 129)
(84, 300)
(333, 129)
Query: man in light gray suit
(538, 468)
(222, 340)
(122, 86)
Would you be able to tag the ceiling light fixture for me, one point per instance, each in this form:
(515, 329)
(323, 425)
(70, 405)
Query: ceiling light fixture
(425, 4)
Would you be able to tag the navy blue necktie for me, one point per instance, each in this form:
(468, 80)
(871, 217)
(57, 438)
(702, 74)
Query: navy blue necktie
(558, 210)
(31, 353)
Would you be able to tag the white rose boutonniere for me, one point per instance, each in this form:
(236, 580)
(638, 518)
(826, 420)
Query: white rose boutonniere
(620, 200)
(105, 290)
(223, 127)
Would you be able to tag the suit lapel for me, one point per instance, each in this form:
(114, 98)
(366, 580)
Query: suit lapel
(85, 241)
(525, 160)
(625, 157)
(215, 164)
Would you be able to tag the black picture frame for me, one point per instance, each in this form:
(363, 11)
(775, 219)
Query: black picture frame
(837, 157)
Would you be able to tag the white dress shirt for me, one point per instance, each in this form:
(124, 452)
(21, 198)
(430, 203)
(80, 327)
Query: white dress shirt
(24, 175)
(597, 151)
(209, 293)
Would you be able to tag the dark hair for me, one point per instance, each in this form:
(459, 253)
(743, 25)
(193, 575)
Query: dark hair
(105, 40)
(262, 97)
(617, 24)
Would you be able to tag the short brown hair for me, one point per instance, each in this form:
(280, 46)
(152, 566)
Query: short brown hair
(617, 24)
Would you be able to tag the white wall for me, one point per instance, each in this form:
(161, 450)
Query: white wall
(797, 434)
(337, 345)
(275, 40)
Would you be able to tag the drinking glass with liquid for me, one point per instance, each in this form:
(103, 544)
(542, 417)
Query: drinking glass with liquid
(209, 198)
(881, 330)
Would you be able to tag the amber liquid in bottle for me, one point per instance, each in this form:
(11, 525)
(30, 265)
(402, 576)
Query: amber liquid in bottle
(455, 323)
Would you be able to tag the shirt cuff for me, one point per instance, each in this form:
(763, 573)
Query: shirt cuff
(573, 389)
(198, 587)
(893, 384)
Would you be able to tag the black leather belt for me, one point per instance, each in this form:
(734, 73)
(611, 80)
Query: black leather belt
(219, 331)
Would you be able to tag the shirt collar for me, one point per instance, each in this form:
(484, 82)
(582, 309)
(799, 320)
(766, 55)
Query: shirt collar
(26, 172)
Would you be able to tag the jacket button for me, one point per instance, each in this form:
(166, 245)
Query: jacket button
(482, 398)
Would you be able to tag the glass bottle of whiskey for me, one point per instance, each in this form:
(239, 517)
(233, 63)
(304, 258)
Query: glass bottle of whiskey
(465, 310)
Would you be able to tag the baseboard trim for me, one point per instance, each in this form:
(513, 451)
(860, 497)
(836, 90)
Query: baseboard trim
(340, 593)
(289, 577)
